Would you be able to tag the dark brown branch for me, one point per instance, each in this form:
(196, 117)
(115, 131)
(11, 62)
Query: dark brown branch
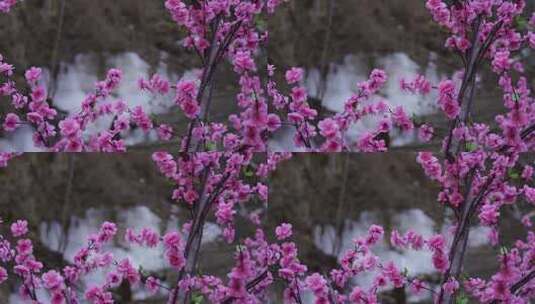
(518, 285)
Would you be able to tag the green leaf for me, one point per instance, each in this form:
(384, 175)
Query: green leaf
(516, 97)
(260, 23)
(248, 172)
(521, 23)
(470, 146)
(513, 174)
(211, 146)
(462, 299)
(416, 120)
(197, 299)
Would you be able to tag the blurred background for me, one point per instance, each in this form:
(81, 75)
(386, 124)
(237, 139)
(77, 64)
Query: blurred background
(338, 42)
(329, 200)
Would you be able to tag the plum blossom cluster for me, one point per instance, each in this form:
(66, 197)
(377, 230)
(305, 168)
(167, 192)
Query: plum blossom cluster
(216, 31)
(5, 157)
(258, 265)
(217, 183)
(219, 31)
(484, 32)
(55, 132)
(227, 30)
(483, 155)
(6, 5)
(513, 282)
(480, 173)
(60, 286)
(338, 287)
(331, 133)
(220, 176)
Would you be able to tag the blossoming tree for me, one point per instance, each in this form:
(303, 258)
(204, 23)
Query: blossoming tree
(215, 170)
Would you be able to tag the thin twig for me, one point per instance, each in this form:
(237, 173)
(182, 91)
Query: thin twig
(55, 52)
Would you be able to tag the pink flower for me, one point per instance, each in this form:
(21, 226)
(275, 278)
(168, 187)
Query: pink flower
(358, 296)
(368, 143)
(152, 284)
(150, 237)
(113, 77)
(52, 280)
(24, 247)
(5, 5)
(57, 298)
(425, 133)
(415, 240)
(529, 193)
(393, 274)
(107, 231)
(32, 75)
(397, 240)
(38, 94)
(113, 279)
(448, 99)
(375, 233)
(11, 122)
(401, 119)
(262, 191)
(69, 127)
(377, 79)
(489, 214)
(165, 132)
(501, 62)
(318, 285)
(440, 261)
(283, 231)
(328, 128)
(446, 87)
(3, 275)
(273, 122)
(243, 62)
(6, 69)
(417, 286)
(271, 70)
(451, 286)
(157, 84)
(531, 40)
(97, 295)
(440, 11)
(19, 101)
(436, 242)
(19, 228)
(430, 164)
(141, 118)
(527, 173)
(190, 108)
(294, 75)
(419, 85)
(176, 259)
(127, 271)
(298, 94)
(186, 88)
(172, 240)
